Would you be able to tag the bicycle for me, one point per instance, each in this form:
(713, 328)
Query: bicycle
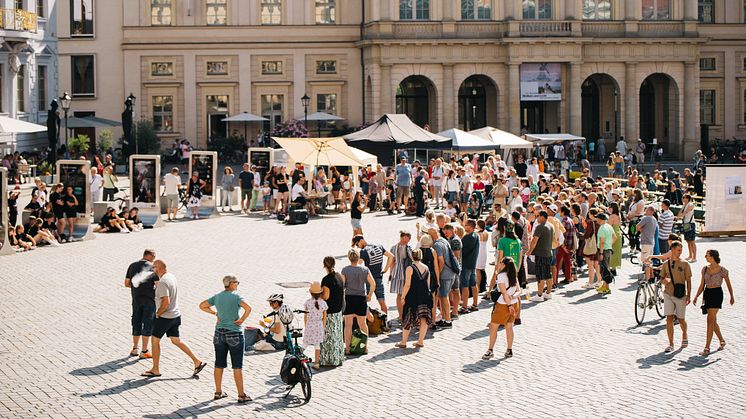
(649, 293)
(295, 367)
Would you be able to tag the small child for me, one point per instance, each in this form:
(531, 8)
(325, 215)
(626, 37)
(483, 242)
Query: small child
(450, 211)
(266, 196)
(315, 321)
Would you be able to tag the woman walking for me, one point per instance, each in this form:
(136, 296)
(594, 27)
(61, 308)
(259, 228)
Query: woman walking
(712, 288)
(615, 221)
(484, 238)
(397, 266)
(690, 228)
(227, 182)
(418, 301)
(333, 346)
(506, 306)
(228, 337)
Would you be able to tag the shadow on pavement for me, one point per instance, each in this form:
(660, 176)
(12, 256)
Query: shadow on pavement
(195, 410)
(280, 401)
(645, 329)
(575, 293)
(132, 384)
(588, 299)
(478, 334)
(391, 354)
(660, 358)
(482, 365)
(696, 361)
(105, 368)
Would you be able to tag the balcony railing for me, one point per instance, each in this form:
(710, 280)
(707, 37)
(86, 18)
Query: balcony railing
(18, 20)
(603, 29)
(659, 29)
(546, 28)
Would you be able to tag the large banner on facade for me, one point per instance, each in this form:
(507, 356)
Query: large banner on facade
(724, 200)
(541, 81)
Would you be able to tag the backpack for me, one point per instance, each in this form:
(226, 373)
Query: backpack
(378, 325)
(451, 262)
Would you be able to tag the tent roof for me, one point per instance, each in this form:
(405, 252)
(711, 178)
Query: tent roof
(319, 151)
(462, 140)
(89, 122)
(549, 139)
(245, 117)
(365, 157)
(12, 125)
(397, 128)
(320, 116)
(501, 138)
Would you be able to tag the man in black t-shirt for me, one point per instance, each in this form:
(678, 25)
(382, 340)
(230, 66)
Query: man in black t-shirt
(141, 280)
(246, 183)
(372, 255)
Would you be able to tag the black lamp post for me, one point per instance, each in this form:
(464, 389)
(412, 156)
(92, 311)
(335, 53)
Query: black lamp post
(305, 100)
(66, 101)
(131, 98)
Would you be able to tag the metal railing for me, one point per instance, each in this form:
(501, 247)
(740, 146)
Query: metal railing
(546, 28)
(18, 20)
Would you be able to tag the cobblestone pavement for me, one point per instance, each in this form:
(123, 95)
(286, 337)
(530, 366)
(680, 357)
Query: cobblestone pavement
(65, 338)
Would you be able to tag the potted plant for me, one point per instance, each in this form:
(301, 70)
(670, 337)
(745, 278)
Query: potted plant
(45, 171)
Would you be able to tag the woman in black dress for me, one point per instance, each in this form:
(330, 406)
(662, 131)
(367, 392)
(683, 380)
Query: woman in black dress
(418, 301)
(283, 192)
(430, 259)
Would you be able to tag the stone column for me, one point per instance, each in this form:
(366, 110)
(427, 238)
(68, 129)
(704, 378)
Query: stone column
(631, 102)
(514, 98)
(690, 138)
(690, 10)
(576, 100)
(386, 89)
(447, 102)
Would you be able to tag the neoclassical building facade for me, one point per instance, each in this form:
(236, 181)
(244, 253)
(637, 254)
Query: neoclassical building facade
(660, 70)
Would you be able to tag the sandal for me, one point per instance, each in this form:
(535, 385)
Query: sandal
(463, 310)
(684, 343)
(244, 398)
(488, 355)
(401, 345)
(474, 308)
(722, 345)
(705, 352)
(134, 351)
(220, 395)
(419, 345)
(149, 374)
(668, 349)
(199, 369)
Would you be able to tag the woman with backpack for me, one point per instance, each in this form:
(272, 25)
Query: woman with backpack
(418, 303)
(505, 295)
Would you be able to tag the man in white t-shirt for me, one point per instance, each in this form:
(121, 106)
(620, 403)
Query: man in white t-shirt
(172, 183)
(436, 182)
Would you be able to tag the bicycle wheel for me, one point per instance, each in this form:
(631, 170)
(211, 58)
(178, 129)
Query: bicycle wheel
(305, 382)
(634, 258)
(641, 304)
(658, 290)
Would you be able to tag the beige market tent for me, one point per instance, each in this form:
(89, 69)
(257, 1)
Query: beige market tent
(365, 157)
(501, 138)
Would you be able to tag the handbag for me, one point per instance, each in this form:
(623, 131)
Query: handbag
(495, 294)
(702, 307)
(590, 247)
(679, 290)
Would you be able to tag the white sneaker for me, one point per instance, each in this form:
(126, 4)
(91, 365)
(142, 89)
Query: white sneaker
(124, 231)
(537, 298)
(547, 296)
(196, 217)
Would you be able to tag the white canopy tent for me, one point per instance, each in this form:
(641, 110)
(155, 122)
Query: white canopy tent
(365, 157)
(501, 138)
(16, 126)
(551, 139)
(462, 140)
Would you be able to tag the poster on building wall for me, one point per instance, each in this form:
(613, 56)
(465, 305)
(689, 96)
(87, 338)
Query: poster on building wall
(541, 81)
(733, 187)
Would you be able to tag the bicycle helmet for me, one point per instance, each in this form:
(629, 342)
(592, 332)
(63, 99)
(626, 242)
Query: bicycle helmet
(276, 297)
(286, 314)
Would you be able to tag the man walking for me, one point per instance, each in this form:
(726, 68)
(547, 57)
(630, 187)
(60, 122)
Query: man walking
(606, 238)
(372, 255)
(172, 184)
(141, 280)
(640, 152)
(246, 183)
(676, 275)
(403, 182)
(665, 225)
(168, 320)
(468, 278)
(541, 248)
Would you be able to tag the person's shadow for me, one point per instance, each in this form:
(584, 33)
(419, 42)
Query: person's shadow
(696, 361)
(105, 368)
(482, 365)
(195, 410)
(131, 384)
(660, 358)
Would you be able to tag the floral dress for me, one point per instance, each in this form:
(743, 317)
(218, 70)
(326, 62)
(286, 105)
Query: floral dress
(313, 334)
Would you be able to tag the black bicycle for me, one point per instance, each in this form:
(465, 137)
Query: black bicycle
(649, 292)
(296, 366)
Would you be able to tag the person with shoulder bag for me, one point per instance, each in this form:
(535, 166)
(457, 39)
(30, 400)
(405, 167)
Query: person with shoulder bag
(506, 296)
(711, 286)
(676, 276)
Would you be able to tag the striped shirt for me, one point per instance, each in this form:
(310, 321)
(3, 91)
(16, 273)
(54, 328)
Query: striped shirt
(665, 224)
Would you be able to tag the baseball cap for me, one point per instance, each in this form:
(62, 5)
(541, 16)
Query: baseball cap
(553, 208)
(616, 192)
(602, 216)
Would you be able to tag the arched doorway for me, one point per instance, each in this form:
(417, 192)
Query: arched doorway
(601, 116)
(659, 104)
(415, 97)
(477, 103)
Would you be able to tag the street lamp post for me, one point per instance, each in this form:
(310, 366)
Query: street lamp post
(305, 100)
(66, 101)
(132, 100)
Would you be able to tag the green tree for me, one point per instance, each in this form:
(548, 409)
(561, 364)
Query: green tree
(79, 145)
(147, 138)
(105, 140)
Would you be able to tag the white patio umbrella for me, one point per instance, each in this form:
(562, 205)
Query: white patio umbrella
(320, 117)
(16, 126)
(245, 117)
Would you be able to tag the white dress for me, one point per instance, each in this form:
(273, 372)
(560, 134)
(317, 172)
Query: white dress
(313, 334)
(482, 257)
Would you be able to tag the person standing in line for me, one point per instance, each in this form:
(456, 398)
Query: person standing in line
(446, 276)
(419, 190)
(246, 184)
(665, 225)
(96, 186)
(615, 221)
(541, 249)
(506, 307)
(676, 275)
(467, 279)
(565, 250)
(168, 320)
(256, 194)
(110, 183)
(354, 277)
(194, 194)
(430, 259)
(397, 265)
(172, 184)
(436, 183)
(712, 287)
(484, 238)
(143, 302)
(690, 228)
(228, 337)
(451, 234)
(227, 183)
(372, 255)
(333, 346)
(646, 228)
(606, 239)
(640, 152)
(403, 183)
(418, 302)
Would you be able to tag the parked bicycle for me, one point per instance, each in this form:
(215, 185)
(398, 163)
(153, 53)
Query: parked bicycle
(296, 366)
(649, 292)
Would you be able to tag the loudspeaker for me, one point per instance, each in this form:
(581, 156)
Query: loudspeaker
(297, 216)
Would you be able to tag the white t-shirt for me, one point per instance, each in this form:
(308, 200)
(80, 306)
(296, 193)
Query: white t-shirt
(513, 292)
(296, 191)
(96, 183)
(171, 182)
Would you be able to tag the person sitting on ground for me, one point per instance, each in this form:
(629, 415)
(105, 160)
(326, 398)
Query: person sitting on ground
(23, 240)
(132, 220)
(111, 223)
(39, 234)
(272, 331)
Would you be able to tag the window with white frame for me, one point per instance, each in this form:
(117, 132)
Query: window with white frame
(161, 12)
(656, 9)
(81, 18)
(414, 9)
(217, 12)
(271, 106)
(476, 9)
(163, 113)
(21, 89)
(271, 67)
(707, 107)
(706, 11)
(326, 12)
(537, 9)
(326, 102)
(271, 12)
(707, 64)
(41, 87)
(597, 10)
(326, 67)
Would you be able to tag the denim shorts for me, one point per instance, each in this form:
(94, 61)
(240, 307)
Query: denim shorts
(142, 319)
(445, 286)
(467, 278)
(379, 291)
(356, 223)
(228, 341)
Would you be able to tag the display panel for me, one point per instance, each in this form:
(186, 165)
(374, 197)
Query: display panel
(75, 175)
(541, 81)
(203, 165)
(144, 177)
(261, 159)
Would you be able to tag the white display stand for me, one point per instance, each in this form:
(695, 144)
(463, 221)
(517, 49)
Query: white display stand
(145, 188)
(724, 200)
(261, 157)
(5, 248)
(78, 174)
(206, 163)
